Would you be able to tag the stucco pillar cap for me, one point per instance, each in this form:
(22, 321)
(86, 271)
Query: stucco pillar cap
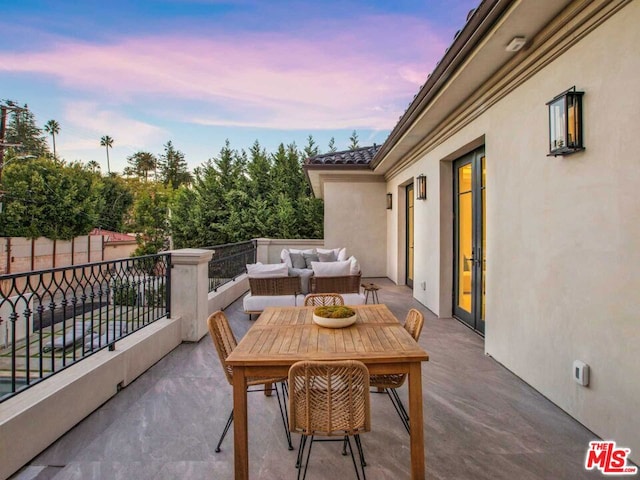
(190, 256)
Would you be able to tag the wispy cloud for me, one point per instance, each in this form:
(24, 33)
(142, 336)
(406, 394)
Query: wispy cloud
(333, 77)
(86, 122)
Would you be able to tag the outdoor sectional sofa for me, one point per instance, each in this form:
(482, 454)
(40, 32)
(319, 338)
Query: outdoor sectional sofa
(285, 285)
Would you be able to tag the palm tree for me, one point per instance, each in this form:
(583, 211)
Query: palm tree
(93, 166)
(53, 128)
(142, 163)
(107, 142)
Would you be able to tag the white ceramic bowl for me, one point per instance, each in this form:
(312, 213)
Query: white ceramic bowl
(334, 322)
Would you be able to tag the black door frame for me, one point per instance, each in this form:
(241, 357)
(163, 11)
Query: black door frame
(474, 318)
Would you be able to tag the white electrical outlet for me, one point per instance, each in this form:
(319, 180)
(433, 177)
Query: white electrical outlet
(581, 373)
(423, 285)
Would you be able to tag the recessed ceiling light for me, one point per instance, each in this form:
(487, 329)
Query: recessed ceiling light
(516, 44)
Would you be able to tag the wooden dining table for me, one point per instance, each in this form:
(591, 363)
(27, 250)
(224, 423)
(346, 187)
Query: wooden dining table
(282, 336)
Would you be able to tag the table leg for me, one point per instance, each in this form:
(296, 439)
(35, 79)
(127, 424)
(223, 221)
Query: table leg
(240, 432)
(268, 389)
(416, 421)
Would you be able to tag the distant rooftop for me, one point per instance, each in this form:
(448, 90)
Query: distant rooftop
(359, 156)
(113, 236)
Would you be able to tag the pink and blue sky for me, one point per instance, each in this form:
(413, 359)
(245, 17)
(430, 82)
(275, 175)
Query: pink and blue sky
(200, 71)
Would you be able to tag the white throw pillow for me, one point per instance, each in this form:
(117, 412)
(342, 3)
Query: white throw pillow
(331, 269)
(341, 253)
(308, 250)
(329, 250)
(285, 258)
(354, 265)
(258, 270)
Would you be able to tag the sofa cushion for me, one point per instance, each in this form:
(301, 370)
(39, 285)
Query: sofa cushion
(327, 257)
(260, 270)
(257, 303)
(285, 254)
(297, 260)
(353, 298)
(304, 274)
(340, 253)
(310, 257)
(285, 257)
(331, 269)
(355, 266)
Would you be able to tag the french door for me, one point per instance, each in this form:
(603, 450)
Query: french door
(409, 247)
(469, 261)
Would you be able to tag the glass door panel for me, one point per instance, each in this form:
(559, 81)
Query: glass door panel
(410, 234)
(465, 237)
(469, 239)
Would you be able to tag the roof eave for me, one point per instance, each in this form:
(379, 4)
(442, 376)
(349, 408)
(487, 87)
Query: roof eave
(482, 19)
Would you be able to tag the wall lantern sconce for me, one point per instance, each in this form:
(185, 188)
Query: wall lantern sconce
(565, 123)
(421, 187)
(389, 201)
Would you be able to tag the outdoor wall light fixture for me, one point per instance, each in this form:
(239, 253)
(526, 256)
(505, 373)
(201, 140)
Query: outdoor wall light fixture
(389, 201)
(421, 187)
(565, 123)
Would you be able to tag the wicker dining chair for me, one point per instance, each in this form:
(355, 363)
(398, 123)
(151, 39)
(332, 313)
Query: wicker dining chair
(329, 399)
(390, 382)
(323, 299)
(225, 341)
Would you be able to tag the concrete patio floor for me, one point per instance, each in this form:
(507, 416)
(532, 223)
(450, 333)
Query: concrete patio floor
(481, 421)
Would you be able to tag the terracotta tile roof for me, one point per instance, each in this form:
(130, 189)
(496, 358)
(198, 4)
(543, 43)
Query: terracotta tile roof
(113, 236)
(359, 156)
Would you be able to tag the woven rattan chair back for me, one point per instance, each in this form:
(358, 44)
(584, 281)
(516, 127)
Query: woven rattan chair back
(323, 299)
(223, 339)
(391, 382)
(414, 323)
(329, 398)
(275, 285)
(346, 284)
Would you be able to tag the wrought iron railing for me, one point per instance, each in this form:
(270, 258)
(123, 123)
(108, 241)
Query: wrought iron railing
(229, 261)
(51, 319)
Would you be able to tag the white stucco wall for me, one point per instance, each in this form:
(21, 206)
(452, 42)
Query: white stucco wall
(358, 222)
(563, 237)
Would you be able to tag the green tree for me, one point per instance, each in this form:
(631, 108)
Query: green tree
(259, 172)
(23, 132)
(150, 219)
(354, 141)
(107, 142)
(45, 199)
(142, 163)
(238, 196)
(52, 128)
(115, 198)
(284, 217)
(311, 149)
(332, 145)
(173, 167)
(288, 177)
(218, 209)
(184, 219)
(129, 172)
(93, 166)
